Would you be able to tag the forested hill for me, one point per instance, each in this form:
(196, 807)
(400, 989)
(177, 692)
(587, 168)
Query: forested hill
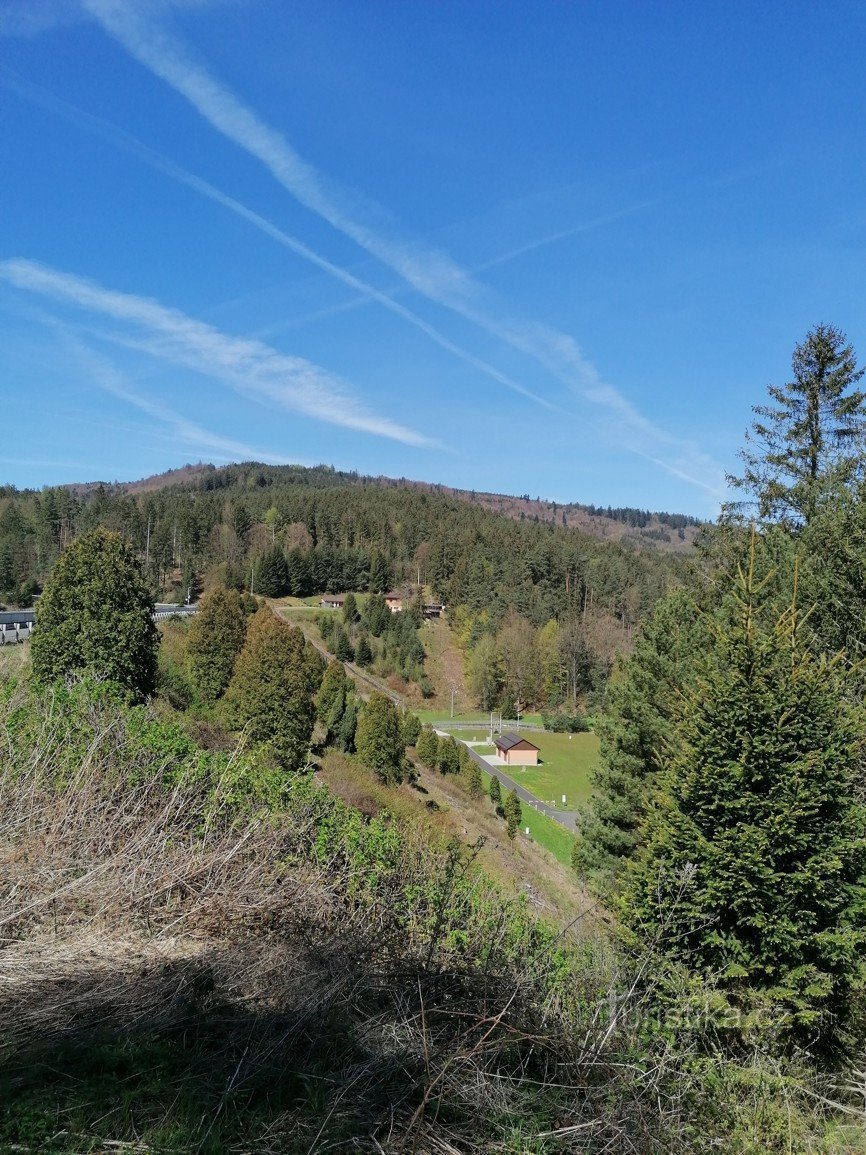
(339, 532)
(642, 527)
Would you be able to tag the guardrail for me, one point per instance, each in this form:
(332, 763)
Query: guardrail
(505, 724)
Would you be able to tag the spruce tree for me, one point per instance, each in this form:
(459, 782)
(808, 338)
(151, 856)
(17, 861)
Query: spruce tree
(474, 781)
(812, 437)
(641, 696)
(755, 845)
(427, 747)
(495, 792)
(272, 574)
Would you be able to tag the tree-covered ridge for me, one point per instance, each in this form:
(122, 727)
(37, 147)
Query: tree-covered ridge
(335, 530)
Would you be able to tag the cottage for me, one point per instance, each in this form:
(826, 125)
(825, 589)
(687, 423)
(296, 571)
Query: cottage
(329, 602)
(516, 751)
(394, 602)
(433, 609)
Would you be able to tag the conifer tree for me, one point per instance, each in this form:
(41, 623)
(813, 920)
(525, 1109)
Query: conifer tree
(448, 759)
(474, 781)
(495, 792)
(96, 616)
(427, 747)
(755, 845)
(811, 437)
(632, 734)
(411, 727)
(272, 574)
(379, 739)
(216, 635)
(363, 653)
(272, 688)
(513, 814)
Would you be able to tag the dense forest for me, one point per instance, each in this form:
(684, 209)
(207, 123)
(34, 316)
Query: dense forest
(541, 609)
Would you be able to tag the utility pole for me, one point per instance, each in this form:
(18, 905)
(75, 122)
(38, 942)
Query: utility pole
(452, 701)
(147, 547)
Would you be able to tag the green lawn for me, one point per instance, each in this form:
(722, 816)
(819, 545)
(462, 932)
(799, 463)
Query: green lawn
(542, 829)
(566, 764)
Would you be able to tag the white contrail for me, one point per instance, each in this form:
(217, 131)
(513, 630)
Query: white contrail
(109, 378)
(122, 139)
(249, 366)
(431, 272)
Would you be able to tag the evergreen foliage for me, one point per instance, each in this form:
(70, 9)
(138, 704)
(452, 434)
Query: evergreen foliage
(632, 735)
(812, 437)
(474, 781)
(272, 574)
(755, 845)
(513, 814)
(271, 691)
(216, 636)
(427, 747)
(448, 759)
(495, 792)
(379, 739)
(350, 610)
(411, 727)
(96, 617)
(363, 653)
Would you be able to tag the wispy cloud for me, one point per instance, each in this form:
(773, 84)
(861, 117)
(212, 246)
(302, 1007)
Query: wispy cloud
(122, 139)
(431, 272)
(249, 366)
(108, 377)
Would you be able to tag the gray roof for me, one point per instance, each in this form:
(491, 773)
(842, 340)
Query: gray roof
(509, 741)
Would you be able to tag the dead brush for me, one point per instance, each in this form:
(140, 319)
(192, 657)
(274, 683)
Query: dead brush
(321, 980)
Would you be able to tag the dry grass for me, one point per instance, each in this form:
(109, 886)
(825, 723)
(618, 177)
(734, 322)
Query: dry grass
(181, 972)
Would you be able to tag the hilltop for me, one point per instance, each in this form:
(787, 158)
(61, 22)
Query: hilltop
(649, 529)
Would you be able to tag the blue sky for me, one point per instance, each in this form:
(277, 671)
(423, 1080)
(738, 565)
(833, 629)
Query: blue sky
(545, 248)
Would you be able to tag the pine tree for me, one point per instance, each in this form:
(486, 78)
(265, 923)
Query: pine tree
(271, 691)
(216, 635)
(332, 693)
(513, 814)
(474, 781)
(96, 617)
(812, 437)
(755, 846)
(379, 739)
(427, 748)
(495, 792)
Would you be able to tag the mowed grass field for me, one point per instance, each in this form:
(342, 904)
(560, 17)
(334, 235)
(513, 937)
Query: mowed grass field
(542, 829)
(566, 768)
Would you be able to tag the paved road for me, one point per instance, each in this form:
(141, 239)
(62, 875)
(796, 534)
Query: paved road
(566, 818)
